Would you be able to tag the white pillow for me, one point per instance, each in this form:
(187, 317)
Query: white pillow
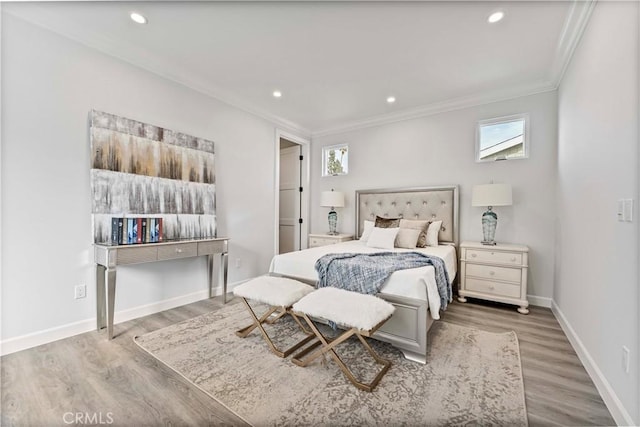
(432, 233)
(366, 232)
(382, 238)
(408, 238)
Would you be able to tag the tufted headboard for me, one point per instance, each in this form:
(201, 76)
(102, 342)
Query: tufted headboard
(430, 203)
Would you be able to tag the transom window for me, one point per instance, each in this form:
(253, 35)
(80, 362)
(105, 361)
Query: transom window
(503, 138)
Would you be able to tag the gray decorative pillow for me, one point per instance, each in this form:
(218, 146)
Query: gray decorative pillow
(407, 238)
(387, 222)
(415, 224)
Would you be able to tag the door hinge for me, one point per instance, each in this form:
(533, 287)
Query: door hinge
(299, 220)
(301, 157)
(301, 189)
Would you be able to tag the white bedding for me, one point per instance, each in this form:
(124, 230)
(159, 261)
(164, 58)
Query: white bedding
(418, 283)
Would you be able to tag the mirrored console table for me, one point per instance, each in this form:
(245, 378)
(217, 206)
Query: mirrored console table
(107, 257)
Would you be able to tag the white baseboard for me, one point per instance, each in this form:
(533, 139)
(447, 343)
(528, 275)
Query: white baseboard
(615, 406)
(155, 307)
(35, 339)
(539, 301)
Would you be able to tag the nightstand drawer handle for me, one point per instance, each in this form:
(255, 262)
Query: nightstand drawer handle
(178, 250)
(492, 273)
(513, 259)
(493, 288)
(474, 255)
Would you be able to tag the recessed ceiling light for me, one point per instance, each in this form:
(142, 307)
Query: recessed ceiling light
(277, 93)
(391, 99)
(495, 17)
(136, 17)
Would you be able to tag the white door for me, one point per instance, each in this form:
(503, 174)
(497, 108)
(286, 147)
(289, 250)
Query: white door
(289, 199)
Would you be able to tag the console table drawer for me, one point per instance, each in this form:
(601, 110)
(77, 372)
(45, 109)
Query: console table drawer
(494, 273)
(183, 250)
(205, 248)
(136, 254)
(494, 257)
(493, 288)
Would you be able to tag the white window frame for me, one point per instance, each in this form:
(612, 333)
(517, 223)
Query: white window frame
(505, 119)
(325, 157)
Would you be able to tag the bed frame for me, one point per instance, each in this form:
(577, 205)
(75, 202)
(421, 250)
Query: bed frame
(407, 329)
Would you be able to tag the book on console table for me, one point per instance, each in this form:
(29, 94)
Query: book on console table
(116, 231)
(143, 227)
(136, 230)
(159, 231)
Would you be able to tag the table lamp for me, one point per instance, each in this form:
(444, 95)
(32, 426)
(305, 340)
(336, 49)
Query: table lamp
(332, 199)
(490, 195)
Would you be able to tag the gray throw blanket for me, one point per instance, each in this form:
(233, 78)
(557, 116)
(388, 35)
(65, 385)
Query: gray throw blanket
(366, 273)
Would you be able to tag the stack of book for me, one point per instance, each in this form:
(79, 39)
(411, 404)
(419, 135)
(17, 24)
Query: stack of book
(132, 230)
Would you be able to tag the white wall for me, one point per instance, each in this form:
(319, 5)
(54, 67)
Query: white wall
(440, 149)
(49, 85)
(596, 290)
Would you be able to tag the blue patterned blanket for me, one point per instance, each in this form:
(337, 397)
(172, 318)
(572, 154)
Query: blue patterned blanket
(366, 273)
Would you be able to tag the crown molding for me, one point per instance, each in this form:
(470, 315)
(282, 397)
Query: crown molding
(149, 62)
(437, 108)
(572, 32)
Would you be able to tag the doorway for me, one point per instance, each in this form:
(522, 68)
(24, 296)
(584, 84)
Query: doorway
(292, 191)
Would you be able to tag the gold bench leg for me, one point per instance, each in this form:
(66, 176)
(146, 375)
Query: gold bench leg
(274, 319)
(328, 346)
(257, 323)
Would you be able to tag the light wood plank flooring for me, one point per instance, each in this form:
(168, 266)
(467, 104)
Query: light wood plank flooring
(116, 380)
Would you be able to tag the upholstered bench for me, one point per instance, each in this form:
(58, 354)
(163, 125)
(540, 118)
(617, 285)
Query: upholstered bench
(360, 314)
(279, 293)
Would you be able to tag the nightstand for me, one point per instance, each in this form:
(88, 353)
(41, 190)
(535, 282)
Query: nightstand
(495, 273)
(316, 240)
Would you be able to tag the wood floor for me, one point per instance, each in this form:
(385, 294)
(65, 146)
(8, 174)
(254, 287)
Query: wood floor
(89, 379)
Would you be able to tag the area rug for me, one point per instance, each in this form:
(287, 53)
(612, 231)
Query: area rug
(471, 377)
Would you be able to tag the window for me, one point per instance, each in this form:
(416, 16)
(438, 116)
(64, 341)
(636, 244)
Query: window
(503, 138)
(335, 160)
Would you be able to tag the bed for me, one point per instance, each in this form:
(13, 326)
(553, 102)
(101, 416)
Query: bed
(410, 291)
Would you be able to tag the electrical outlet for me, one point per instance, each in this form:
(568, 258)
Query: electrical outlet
(238, 262)
(625, 359)
(80, 291)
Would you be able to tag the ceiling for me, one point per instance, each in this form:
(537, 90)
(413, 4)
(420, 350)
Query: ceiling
(334, 62)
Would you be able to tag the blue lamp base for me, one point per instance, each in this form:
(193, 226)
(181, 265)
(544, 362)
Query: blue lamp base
(489, 224)
(333, 223)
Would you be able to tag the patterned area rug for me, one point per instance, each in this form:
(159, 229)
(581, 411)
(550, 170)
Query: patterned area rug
(472, 377)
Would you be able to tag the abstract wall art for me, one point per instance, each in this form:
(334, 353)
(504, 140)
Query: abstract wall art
(139, 169)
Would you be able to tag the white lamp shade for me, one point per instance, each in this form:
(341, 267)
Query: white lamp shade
(491, 195)
(332, 199)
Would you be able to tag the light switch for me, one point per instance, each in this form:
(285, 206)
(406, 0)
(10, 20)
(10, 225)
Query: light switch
(628, 210)
(620, 209)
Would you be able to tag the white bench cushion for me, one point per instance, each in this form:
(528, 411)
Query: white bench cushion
(275, 291)
(346, 308)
